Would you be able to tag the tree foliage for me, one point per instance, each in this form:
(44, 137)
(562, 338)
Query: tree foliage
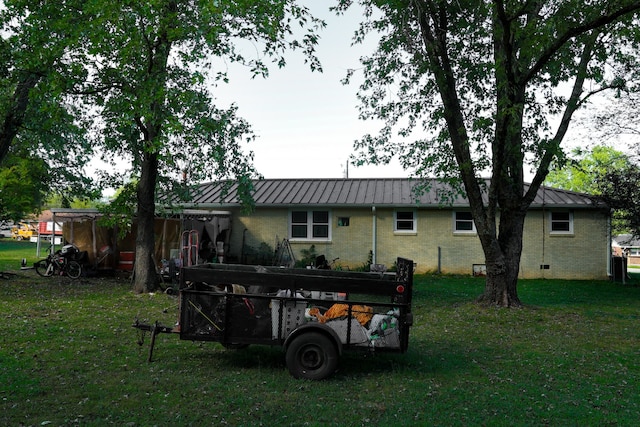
(23, 187)
(474, 88)
(611, 176)
(142, 77)
(37, 124)
(583, 169)
(620, 189)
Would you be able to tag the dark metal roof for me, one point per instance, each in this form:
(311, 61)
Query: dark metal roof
(363, 192)
(626, 241)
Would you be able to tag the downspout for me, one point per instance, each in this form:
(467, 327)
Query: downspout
(374, 233)
(544, 230)
(609, 252)
(94, 243)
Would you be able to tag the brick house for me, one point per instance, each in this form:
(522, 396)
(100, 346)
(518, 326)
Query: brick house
(567, 234)
(628, 246)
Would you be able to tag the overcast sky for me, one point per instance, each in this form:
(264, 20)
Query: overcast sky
(306, 122)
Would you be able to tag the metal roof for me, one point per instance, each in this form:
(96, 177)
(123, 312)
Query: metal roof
(626, 241)
(368, 192)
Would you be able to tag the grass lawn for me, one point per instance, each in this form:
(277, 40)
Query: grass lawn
(12, 252)
(68, 356)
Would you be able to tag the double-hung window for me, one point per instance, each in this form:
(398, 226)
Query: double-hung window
(463, 222)
(561, 223)
(310, 225)
(404, 222)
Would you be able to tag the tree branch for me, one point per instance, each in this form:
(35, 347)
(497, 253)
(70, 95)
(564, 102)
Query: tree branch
(14, 116)
(562, 39)
(572, 105)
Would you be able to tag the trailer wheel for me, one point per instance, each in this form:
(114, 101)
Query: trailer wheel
(312, 356)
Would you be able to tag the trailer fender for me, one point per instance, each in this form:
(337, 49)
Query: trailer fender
(316, 327)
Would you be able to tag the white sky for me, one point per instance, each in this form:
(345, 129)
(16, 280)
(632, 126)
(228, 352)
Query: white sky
(306, 122)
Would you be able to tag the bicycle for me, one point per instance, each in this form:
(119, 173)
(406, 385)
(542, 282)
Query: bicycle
(323, 264)
(60, 263)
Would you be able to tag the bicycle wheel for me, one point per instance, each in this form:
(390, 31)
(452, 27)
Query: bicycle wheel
(43, 268)
(74, 269)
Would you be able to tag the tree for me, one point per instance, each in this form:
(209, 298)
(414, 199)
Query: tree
(609, 175)
(467, 88)
(620, 189)
(23, 187)
(40, 139)
(148, 69)
(582, 170)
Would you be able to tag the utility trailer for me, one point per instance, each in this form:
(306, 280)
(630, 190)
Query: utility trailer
(313, 314)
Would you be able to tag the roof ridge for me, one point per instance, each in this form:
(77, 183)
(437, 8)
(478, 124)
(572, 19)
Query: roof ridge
(394, 192)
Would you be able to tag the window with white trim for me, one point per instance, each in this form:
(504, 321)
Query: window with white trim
(404, 221)
(463, 222)
(561, 222)
(309, 225)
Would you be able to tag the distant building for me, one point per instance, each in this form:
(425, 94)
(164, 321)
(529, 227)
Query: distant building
(628, 246)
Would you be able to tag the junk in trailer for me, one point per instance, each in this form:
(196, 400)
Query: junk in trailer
(312, 314)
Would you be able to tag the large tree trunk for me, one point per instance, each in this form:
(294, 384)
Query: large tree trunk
(502, 258)
(145, 277)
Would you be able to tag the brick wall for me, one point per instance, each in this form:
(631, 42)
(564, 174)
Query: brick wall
(434, 245)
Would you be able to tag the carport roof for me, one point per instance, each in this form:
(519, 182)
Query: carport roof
(390, 192)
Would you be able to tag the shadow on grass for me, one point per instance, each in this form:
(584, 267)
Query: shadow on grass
(554, 293)
(440, 358)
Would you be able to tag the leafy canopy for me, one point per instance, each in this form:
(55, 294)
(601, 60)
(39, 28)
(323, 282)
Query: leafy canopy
(23, 187)
(38, 124)
(609, 174)
(152, 79)
(473, 88)
(523, 65)
(583, 169)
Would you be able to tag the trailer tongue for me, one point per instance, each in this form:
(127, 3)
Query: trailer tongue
(313, 314)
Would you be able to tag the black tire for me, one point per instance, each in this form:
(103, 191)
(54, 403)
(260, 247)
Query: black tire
(74, 269)
(42, 268)
(312, 356)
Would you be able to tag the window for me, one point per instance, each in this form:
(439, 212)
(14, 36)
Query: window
(404, 222)
(310, 225)
(463, 222)
(561, 223)
(343, 221)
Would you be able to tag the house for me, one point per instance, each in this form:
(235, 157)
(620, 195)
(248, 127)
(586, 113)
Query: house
(626, 245)
(362, 221)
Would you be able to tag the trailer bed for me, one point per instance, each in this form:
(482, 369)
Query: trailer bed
(314, 315)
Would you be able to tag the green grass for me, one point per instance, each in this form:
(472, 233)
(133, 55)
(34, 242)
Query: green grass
(12, 252)
(68, 356)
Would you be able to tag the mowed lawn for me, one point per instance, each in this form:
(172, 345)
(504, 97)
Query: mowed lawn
(69, 356)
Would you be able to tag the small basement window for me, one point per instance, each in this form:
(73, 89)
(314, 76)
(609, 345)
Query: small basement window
(343, 221)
